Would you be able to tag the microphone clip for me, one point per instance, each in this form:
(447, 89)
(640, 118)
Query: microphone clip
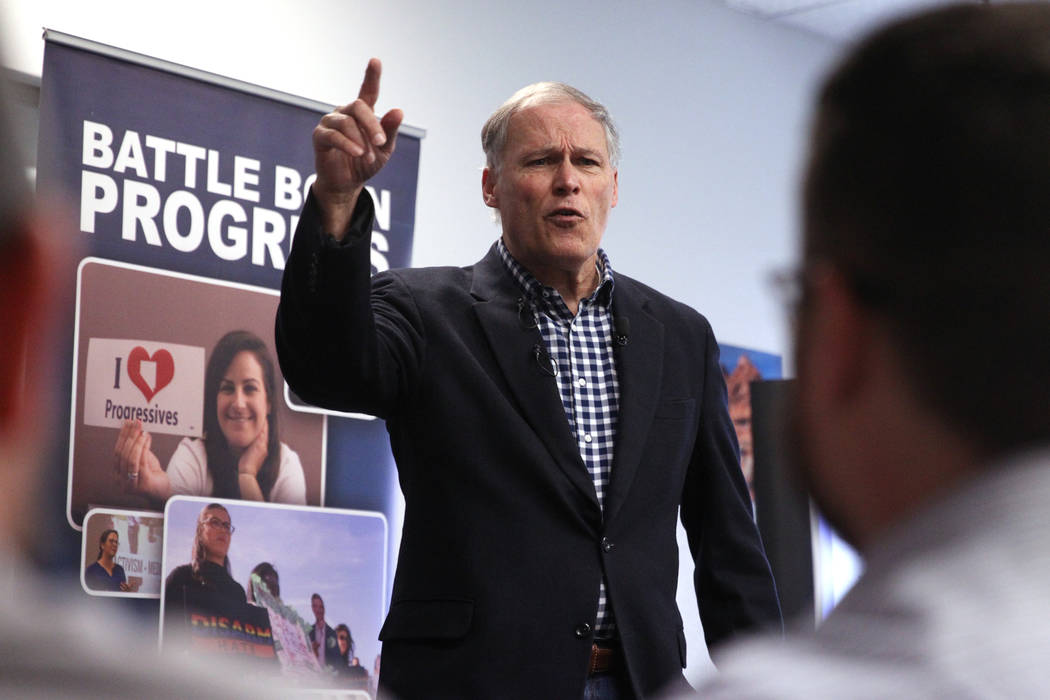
(526, 318)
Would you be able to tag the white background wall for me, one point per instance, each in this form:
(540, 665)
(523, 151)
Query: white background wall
(712, 107)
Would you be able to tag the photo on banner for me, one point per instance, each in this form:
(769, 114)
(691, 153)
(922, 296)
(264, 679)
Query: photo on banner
(243, 582)
(122, 553)
(177, 171)
(183, 354)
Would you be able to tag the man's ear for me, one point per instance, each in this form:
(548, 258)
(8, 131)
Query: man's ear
(488, 188)
(24, 295)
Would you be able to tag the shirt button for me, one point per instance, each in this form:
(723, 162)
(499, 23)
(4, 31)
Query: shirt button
(581, 382)
(583, 631)
(607, 546)
(587, 437)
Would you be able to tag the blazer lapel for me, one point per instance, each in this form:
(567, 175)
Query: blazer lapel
(535, 390)
(639, 368)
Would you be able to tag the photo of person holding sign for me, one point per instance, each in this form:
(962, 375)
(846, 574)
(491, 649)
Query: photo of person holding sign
(240, 454)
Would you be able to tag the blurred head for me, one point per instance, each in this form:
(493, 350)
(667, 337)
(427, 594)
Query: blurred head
(108, 544)
(925, 213)
(239, 386)
(346, 642)
(212, 541)
(317, 605)
(32, 294)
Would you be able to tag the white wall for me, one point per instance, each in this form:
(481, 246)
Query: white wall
(712, 107)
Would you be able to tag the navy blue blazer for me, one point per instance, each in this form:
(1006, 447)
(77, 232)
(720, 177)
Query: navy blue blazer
(504, 543)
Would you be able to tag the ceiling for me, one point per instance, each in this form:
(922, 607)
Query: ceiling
(841, 21)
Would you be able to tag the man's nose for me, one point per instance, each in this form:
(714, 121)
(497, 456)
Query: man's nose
(566, 178)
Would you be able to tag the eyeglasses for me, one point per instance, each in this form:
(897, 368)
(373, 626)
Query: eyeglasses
(344, 638)
(221, 524)
(793, 285)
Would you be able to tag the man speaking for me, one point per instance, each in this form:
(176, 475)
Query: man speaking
(548, 418)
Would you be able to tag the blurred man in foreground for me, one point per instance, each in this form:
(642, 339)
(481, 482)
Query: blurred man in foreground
(923, 406)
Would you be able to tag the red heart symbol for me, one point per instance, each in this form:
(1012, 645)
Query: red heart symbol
(165, 370)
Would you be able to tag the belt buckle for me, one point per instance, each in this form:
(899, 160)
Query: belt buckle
(601, 660)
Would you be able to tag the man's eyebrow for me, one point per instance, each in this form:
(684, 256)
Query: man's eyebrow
(553, 148)
(539, 151)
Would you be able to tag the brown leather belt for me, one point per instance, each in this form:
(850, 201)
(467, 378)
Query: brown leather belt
(603, 660)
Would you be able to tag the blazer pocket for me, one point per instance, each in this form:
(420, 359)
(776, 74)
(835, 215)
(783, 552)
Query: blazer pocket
(427, 619)
(675, 409)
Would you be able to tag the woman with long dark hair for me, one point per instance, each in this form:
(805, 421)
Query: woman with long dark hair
(356, 675)
(240, 455)
(106, 574)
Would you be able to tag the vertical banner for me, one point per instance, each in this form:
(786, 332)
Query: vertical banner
(186, 190)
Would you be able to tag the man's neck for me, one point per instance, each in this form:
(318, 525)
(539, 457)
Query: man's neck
(572, 285)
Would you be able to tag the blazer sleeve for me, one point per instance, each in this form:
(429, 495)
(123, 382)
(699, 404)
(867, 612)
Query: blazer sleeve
(734, 583)
(345, 341)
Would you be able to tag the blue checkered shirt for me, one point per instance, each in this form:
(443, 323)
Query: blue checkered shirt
(581, 353)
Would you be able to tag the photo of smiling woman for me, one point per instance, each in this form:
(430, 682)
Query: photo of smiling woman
(106, 574)
(240, 455)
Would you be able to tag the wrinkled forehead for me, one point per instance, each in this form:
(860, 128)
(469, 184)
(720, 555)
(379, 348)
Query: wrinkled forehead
(553, 122)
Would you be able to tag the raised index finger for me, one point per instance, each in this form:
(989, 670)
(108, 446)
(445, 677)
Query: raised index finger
(370, 86)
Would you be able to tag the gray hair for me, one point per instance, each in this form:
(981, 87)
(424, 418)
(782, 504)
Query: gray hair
(494, 133)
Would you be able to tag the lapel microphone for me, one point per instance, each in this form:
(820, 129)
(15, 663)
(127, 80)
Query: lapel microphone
(621, 330)
(526, 319)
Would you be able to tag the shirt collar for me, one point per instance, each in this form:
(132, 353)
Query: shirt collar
(534, 290)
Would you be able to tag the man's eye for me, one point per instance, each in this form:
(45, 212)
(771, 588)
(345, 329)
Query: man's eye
(538, 161)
